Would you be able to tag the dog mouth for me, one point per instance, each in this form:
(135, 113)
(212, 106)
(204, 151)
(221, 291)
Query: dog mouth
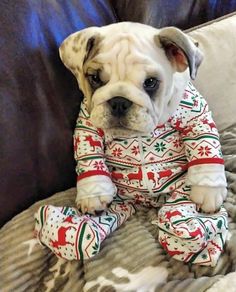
(121, 114)
(124, 127)
(120, 123)
(120, 108)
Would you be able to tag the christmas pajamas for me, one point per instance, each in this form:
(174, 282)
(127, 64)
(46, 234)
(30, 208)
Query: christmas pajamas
(74, 236)
(156, 170)
(188, 235)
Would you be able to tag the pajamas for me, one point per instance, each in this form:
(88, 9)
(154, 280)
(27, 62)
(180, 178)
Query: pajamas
(156, 170)
(74, 236)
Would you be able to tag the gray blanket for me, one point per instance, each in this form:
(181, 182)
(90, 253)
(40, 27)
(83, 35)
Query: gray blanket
(131, 259)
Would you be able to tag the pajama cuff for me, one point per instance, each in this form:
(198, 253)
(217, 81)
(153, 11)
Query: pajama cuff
(94, 186)
(93, 173)
(212, 175)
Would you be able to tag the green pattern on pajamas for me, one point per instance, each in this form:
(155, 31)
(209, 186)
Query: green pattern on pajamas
(188, 235)
(74, 236)
(184, 233)
(156, 170)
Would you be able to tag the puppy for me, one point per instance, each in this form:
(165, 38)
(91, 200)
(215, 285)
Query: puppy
(145, 129)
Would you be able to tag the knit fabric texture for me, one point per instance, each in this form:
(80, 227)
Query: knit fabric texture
(157, 171)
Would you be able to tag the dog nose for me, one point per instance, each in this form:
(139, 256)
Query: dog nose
(119, 105)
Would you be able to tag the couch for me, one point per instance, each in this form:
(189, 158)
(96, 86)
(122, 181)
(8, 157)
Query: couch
(39, 105)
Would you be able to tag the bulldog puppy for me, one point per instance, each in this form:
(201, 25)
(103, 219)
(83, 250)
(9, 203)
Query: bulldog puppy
(133, 77)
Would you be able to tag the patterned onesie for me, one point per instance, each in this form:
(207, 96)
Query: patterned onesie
(151, 171)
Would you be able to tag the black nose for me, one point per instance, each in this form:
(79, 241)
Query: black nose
(119, 105)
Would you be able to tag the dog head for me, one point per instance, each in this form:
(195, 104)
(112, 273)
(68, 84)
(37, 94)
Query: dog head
(132, 75)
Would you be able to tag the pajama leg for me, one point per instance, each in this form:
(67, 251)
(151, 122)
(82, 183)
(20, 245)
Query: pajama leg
(71, 235)
(190, 236)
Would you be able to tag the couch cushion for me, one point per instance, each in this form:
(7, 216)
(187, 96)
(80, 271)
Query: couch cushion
(39, 97)
(216, 78)
(180, 13)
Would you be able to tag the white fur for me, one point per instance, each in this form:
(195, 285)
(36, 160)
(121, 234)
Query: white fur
(131, 61)
(209, 199)
(95, 193)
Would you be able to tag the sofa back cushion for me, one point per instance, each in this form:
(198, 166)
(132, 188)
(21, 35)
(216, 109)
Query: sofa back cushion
(39, 97)
(216, 78)
(181, 13)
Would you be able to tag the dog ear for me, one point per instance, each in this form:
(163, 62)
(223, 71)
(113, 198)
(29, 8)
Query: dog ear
(77, 48)
(180, 49)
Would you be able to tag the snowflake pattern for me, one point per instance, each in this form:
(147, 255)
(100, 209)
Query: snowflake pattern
(177, 143)
(117, 152)
(88, 237)
(204, 151)
(135, 150)
(204, 256)
(99, 165)
(160, 147)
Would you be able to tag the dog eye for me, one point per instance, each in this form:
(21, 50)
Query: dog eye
(151, 83)
(95, 81)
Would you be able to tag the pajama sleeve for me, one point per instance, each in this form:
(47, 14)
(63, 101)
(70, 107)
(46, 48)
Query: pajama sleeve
(201, 140)
(93, 176)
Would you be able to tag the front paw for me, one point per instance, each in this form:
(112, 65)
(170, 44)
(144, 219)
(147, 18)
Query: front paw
(209, 199)
(92, 204)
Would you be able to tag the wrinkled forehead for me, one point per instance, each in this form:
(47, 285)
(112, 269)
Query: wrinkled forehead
(123, 52)
(123, 45)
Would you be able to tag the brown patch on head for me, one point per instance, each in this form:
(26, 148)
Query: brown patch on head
(92, 47)
(90, 64)
(75, 49)
(77, 52)
(77, 39)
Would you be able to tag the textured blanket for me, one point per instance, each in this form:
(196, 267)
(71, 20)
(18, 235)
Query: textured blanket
(131, 259)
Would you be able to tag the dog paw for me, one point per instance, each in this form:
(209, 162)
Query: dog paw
(209, 199)
(92, 204)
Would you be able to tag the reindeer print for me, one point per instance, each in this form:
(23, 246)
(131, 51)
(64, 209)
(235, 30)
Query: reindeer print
(93, 143)
(61, 237)
(152, 176)
(170, 214)
(164, 174)
(136, 176)
(178, 124)
(211, 124)
(117, 175)
(189, 129)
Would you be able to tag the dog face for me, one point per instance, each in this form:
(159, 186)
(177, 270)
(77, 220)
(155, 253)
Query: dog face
(132, 75)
